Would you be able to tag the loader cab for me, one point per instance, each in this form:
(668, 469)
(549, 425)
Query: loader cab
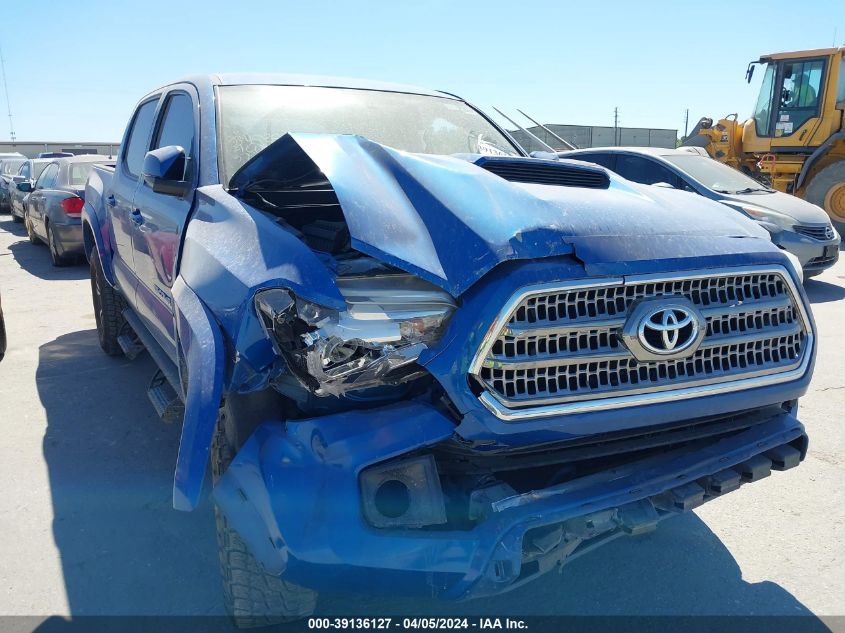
(799, 94)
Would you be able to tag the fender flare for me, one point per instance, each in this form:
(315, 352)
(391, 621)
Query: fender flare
(202, 350)
(821, 150)
(91, 230)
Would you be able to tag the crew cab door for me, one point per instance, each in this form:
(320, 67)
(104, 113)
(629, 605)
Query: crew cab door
(121, 192)
(162, 218)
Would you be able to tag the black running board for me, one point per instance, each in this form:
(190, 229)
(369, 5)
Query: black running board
(168, 367)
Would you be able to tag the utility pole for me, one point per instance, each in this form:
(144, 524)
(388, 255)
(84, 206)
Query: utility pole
(616, 126)
(8, 103)
(686, 123)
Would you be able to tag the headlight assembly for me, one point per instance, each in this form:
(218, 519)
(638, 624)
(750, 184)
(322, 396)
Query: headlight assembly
(388, 321)
(772, 221)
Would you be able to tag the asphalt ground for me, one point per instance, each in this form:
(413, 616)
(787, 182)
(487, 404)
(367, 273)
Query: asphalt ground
(87, 527)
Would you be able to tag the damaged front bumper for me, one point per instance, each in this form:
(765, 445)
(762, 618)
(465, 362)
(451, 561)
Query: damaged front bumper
(294, 494)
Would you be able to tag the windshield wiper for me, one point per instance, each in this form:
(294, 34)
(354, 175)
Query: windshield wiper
(753, 189)
(746, 190)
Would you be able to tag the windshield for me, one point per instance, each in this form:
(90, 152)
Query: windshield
(12, 165)
(78, 173)
(38, 167)
(714, 175)
(762, 110)
(252, 117)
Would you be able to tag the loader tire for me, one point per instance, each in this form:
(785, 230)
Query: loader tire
(827, 190)
(108, 309)
(253, 597)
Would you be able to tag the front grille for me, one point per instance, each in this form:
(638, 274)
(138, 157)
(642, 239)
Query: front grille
(564, 344)
(817, 232)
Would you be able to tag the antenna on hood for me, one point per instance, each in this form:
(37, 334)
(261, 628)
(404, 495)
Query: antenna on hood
(566, 143)
(524, 131)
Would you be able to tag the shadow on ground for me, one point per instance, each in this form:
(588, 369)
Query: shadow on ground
(35, 259)
(821, 291)
(125, 551)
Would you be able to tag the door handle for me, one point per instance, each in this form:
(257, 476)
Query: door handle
(137, 218)
(111, 201)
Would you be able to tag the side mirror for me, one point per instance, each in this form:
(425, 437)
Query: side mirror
(25, 186)
(749, 72)
(164, 170)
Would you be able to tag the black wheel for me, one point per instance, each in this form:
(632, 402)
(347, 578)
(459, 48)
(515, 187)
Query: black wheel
(55, 258)
(827, 190)
(252, 596)
(33, 238)
(108, 309)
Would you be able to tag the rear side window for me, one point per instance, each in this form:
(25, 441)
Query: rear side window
(177, 126)
(136, 146)
(24, 170)
(643, 170)
(47, 179)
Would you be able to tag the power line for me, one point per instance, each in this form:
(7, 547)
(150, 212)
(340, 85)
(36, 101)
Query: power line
(6, 90)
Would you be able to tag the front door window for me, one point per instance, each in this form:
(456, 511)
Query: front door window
(799, 96)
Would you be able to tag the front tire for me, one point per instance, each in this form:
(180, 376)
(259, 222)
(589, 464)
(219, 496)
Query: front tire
(827, 190)
(108, 308)
(252, 596)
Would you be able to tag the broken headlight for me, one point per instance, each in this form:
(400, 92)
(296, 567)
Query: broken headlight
(388, 321)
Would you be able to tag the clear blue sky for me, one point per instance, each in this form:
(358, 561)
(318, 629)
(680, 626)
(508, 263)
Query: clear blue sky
(76, 69)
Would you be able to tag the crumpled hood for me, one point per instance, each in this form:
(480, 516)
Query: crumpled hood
(449, 220)
(801, 211)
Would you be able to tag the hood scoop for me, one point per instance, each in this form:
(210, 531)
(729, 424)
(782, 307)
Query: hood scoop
(545, 172)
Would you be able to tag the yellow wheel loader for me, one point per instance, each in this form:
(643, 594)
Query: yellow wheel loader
(795, 138)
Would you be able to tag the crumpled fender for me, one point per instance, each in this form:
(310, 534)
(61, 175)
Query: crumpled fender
(201, 347)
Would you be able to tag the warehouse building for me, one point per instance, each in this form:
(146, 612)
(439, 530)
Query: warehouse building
(31, 149)
(583, 136)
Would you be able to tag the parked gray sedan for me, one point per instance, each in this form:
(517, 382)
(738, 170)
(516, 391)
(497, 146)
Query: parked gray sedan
(9, 166)
(54, 206)
(28, 173)
(795, 225)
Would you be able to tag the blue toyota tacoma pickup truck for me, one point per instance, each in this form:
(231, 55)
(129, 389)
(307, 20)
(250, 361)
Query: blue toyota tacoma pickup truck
(419, 360)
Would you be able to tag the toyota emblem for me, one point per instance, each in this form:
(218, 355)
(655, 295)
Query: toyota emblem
(663, 328)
